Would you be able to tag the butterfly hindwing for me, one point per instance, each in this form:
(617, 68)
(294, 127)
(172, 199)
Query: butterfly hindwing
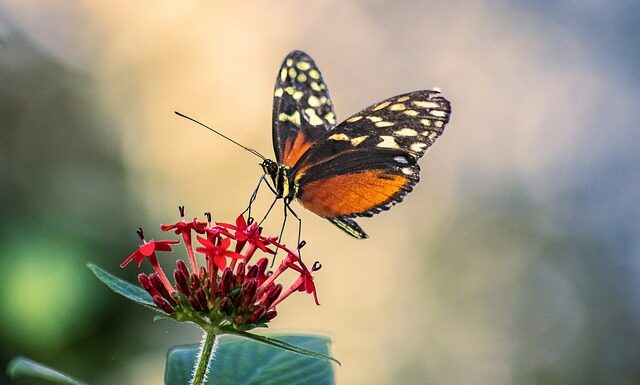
(368, 163)
(357, 182)
(302, 109)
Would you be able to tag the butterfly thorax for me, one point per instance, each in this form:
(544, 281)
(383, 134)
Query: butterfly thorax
(280, 175)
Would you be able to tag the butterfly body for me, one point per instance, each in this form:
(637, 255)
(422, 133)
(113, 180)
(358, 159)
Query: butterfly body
(357, 168)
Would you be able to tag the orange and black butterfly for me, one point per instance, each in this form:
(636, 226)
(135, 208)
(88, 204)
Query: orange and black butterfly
(357, 168)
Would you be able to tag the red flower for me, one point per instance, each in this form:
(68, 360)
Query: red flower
(221, 294)
(184, 228)
(148, 250)
(218, 253)
(248, 233)
(305, 281)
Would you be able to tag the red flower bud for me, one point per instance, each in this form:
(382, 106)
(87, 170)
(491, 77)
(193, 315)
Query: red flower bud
(273, 292)
(195, 282)
(162, 304)
(226, 306)
(249, 292)
(240, 273)
(257, 314)
(268, 316)
(143, 279)
(195, 304)
(180, 265)
(262, 265)
(225, 282)
(202, 299)
(182, 283)
(157, 284)
(253, 272)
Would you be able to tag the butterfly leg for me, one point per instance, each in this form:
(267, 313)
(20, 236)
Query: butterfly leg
(254, 195)
(287, 207)
(268, 211)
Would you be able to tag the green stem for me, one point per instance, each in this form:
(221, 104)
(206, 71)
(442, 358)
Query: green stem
(204, 358)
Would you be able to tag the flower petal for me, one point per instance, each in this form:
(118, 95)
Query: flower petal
(205, 242)
(240, 222)
(135, 256)
(166, 244)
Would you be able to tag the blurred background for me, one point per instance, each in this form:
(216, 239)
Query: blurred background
(516, 260)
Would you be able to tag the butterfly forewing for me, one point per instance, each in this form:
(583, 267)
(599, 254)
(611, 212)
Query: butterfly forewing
(410, 122)
(302, 109)
(369, 162)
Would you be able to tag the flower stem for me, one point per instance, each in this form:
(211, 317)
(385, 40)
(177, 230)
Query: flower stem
(204, 358)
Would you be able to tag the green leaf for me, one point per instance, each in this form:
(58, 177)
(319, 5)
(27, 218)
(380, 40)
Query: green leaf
(278, 343)
(24, 367)
(124, 288)
(238, 360)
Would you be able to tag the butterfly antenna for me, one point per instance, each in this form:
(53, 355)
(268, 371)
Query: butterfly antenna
(251, 150)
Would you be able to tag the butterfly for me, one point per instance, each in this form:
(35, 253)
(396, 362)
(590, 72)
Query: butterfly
(357, 168)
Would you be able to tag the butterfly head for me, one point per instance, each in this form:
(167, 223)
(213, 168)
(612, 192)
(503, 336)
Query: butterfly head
(280, 177)
(270, 168)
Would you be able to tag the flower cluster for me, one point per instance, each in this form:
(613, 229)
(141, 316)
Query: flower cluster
(228, 291)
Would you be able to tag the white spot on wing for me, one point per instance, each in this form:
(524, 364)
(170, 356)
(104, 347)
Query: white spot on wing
(401, 159)
(314, 101)
(358, 140)
(425, 104)
(293, 118)
(330, 117)
(384, 124)
(387, 142)
(314, 119)
(406, 132)
(381, 106)
(303, 65)
(418, 146)
(338, 137)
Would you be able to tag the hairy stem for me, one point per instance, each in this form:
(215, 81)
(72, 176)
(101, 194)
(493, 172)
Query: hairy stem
(204, 358)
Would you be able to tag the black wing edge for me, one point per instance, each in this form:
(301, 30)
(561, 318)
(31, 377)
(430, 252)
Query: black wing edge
(349, 226)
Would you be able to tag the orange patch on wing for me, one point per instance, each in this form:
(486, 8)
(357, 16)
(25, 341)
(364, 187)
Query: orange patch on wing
(293, 151)
(351, 194)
